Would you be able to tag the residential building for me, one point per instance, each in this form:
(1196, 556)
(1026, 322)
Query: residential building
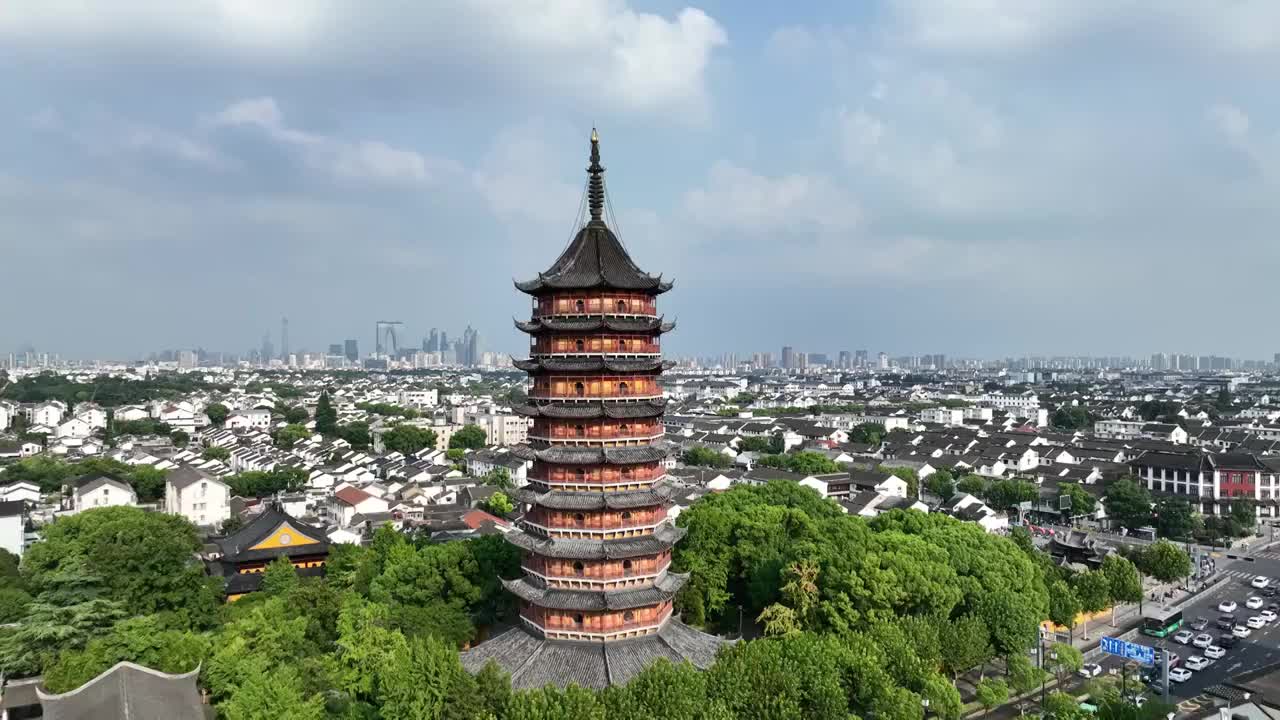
(197, 496)
(101, 491)
(13, 526)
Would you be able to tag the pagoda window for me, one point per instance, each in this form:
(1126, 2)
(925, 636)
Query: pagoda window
(580, 431)
(622, 306)
(579, 474)
(628, 616)
(580, 306)
(628, 473)
(622, 345)
(580, 345)
(623, 389)
(579, 519)
(578, 568)
(626, 515)
(577, 619)
(626, 566)
(578, 388)
(624, 429)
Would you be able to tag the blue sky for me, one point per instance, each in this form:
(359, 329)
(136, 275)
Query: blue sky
(976, 177)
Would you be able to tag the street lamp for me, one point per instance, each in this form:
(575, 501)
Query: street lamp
(924, 703)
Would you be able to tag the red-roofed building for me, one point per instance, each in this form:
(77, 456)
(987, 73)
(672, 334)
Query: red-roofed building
(349, 501)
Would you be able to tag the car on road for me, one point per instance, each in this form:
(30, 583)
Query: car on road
(1227, 606)
(1199, 624)
(1254, 603)
(1260, 581)
(1241, 631)
(1257, 622)
(1227, 641)
(1091, 670)
(1203, 640)
(1226, 622)
(1195, 662)
(1184, 637)
(1213, 652)
(1269, 591)
(1268, 615)
(1180, 675)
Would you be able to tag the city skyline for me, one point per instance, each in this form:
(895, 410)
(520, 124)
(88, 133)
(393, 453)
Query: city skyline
(900, 178)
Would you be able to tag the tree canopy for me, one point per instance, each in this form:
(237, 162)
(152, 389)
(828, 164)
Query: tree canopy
(408, 439)
(1129, 504)
(469, 437)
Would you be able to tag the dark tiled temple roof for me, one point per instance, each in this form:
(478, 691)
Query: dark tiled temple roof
(533, 591)
(128, 692)
(595, 258)
(564, 500)
(630, 325)
(592, 365)
(616, 410)
(235, 547)
(534, 662)
(662, 539)
(569, 455)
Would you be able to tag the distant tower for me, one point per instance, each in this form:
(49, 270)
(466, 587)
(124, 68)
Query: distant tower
(267, 352)
(284, 339)
(597, 596)
(352, 350)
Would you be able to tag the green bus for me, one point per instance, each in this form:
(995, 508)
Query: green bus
(1160, 624)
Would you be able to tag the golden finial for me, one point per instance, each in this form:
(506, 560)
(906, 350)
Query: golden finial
(594, 136)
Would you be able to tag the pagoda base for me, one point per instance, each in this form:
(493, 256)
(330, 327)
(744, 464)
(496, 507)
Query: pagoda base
(534, 662)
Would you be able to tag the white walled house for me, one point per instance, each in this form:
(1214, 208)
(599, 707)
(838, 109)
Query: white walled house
(49, 413)
(197, 496)
(350, 501)
(73, 428)
(93, 414)
(249, 420)
(129, 413)
(13, 526)
(101, 491)
(6, 416)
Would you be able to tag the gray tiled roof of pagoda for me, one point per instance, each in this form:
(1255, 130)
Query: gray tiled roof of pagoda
(629, 325)
(534, 662)
(662, 590)
(571, 455)
(574, 500)
(583, 411)
(593, 365)
(662, 539)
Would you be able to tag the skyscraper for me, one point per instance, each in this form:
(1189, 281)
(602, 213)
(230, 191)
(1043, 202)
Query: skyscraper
(335, 349)
(882, 361)
(846, 360)
(352, 350)
(598, 593)
(860, 358)
(473, 349)
(788, 357)
(267, 351)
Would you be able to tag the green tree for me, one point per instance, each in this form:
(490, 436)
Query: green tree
(907, 474)
(499, 504)
(1064, 659)
(326, 415)
(1123, 582)
(965, 644)
(975, 485)
(408, 439)
(143, 640)
(216, 453)
(147, 481)
(424, 679)
(1164, 561)
(1174, 518)
(1070, 417)
(455, 455)
(499, 478)
(289, 435)
(941, 484)
(1022, 674)
(180, 438)
(808, 462)
(867, 434)
(217, 413)
(1061, 706)
(1093, 589)
(355, 433)
(1005, 494)
(705, 457)
(992, 693)
(294, 414)
(274, 693)
(469, 437)
(1129, 504)
(280, 577)
(1064, 604)
(14, 604)
(1083, 503)
(1244, 514)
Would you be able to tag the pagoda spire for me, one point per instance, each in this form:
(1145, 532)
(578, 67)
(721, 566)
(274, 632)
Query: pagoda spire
(595, 189)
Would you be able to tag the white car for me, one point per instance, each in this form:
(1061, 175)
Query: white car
(1254, 603)
(1260, 582)
(1227, 606)
(1092, 670)
(1180, 675)
(1257, 622)
(1203, 640)
(1268, 615)
(1241, 631)
(1184, 637)
(1213, 652)
(1195, 662)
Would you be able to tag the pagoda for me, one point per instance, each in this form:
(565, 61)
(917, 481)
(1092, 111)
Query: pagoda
(596, 599)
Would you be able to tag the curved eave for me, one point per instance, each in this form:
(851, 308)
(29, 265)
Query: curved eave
(595, 324)
(543, 284)
(569, 455)
(662, 540)
(533, 365)
(570, 500)
(664, 589)
(587, 411)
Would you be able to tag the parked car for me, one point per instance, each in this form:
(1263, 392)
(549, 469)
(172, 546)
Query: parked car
(1203, 640)
(1199, 624)
(1241, 631)
(1213, 652)
(1195, 662)
(1268, 615)
(1226, 622)
(1179, 675)
(1227, 641)
(1254, 603)
(1257, 622)
(1227, 606)
(1091, 670)
(1269, 591)
(1184, 637)
(1260, 581)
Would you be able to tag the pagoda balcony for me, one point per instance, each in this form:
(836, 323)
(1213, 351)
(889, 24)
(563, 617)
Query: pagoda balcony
(595, 387)
(596, 574)
(595, 344)
(585, 533)
(618, 303)
(598, 520)
(595, 476)
(611, 625)
(598, 432)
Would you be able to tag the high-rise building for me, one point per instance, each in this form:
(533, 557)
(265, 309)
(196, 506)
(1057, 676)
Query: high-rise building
(845, 360)
(882, 361)
(267, 351)
(788, 357)
(444, 342)
(433, 341)
(599, 593)
(860, 358)
(335, 349)
(284, 339)
(352, 350)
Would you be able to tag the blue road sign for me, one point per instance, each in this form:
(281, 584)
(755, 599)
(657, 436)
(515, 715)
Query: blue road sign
(1129, 651)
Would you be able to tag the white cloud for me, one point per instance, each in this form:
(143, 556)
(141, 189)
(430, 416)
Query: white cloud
(359, 161)
(735, 198)
(601, 52)
(1230, 121)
